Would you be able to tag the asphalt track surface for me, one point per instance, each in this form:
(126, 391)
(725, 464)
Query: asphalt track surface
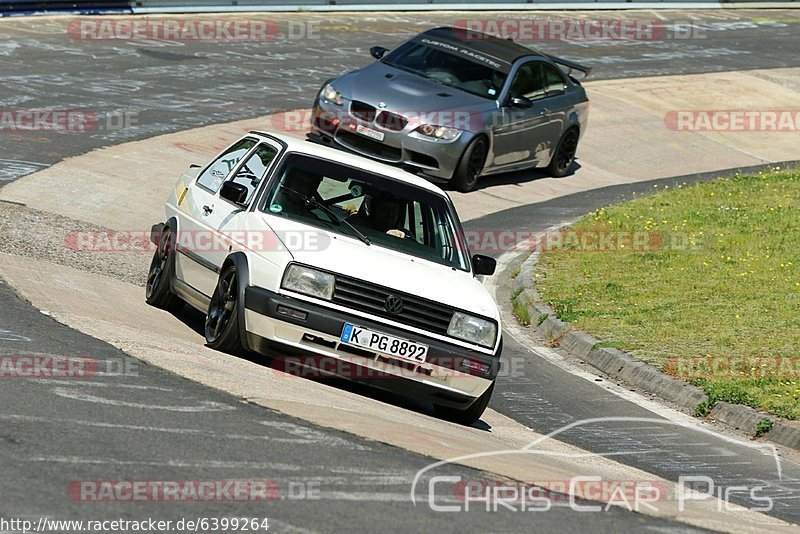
(52, 435)
(138, 89)
(135, 422)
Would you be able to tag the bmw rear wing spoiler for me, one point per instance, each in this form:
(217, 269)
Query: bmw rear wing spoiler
(571, 66)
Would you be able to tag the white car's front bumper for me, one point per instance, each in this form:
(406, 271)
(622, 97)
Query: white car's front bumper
(316, 349)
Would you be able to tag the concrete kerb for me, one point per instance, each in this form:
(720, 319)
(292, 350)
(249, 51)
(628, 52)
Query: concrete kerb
(617, 364)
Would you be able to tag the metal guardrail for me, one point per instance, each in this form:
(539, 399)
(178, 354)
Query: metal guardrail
(133, 6)
(12, 6)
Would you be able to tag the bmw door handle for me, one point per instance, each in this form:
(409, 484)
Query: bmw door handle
(543, 111)
(207, 210)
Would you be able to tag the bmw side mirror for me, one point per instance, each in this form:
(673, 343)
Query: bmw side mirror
(236, 193)
(483, 264)
(520, 102)
(378, 51)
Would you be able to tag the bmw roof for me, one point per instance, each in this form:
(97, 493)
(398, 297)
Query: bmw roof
(505, 50)
(490, 49)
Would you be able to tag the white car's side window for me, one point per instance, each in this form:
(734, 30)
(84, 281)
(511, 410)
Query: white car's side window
(213, 176)
(254, 168)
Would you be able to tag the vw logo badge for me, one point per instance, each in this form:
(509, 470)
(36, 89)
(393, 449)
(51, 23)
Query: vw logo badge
(393, 304)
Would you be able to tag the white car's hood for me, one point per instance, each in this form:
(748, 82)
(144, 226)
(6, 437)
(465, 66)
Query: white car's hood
(373, 263)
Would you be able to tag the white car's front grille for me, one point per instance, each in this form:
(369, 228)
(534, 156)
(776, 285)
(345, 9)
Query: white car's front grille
(401, 307)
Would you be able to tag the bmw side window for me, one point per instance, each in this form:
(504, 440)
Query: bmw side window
(528, 81)
(553, 80)
(213, 176)
(254, 168)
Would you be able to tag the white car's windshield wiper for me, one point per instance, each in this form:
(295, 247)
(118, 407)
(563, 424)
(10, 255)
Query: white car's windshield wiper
(313, 202)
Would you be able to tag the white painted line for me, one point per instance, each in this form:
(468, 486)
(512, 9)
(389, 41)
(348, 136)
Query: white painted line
(202, 406)
(167, 430)
(205, 464)
(312, 434)
(99, 384)
(287, 528)
(8, 335)
(11, 169)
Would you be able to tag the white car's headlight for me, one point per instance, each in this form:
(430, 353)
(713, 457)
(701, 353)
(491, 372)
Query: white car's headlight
(439, 132)
(308, 281)
(332, 95)
(473, 329)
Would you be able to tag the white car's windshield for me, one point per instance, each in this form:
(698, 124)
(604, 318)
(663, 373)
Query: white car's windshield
(450, 64)
(366, 206)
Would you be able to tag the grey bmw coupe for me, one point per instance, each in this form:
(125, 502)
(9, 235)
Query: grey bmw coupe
(456, 104)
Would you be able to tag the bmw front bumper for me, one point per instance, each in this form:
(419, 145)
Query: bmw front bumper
(434, 158)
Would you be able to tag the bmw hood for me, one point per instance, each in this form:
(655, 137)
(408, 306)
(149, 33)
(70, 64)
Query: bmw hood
(411, 95)
(372, 263)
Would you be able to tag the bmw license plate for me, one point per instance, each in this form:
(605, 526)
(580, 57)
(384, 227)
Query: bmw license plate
(378, 342)
(369, 132)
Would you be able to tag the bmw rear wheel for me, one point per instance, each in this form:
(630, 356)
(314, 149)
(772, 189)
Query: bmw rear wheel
(564, 157)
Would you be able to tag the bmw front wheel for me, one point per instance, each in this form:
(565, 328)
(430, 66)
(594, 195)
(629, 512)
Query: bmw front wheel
(471, 165)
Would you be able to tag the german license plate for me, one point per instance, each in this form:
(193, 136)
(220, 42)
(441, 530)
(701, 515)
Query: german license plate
(383, 343)
(369, 132)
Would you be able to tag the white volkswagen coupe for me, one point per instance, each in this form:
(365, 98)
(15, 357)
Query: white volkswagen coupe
(355, 267)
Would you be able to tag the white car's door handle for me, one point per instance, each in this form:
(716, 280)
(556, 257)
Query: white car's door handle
(207, 210)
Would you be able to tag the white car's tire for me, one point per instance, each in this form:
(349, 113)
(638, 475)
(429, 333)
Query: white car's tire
(222, 319)
(157, 289)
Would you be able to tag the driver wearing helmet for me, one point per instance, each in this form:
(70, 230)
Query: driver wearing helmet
(386, 214)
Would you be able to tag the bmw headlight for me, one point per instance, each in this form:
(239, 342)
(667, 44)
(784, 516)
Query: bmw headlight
(438, 132)
(473, 329)
(332, 95)
(308, 281)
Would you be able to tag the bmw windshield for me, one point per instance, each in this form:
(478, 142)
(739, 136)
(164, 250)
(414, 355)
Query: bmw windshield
(366, 206)
(450, 64)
